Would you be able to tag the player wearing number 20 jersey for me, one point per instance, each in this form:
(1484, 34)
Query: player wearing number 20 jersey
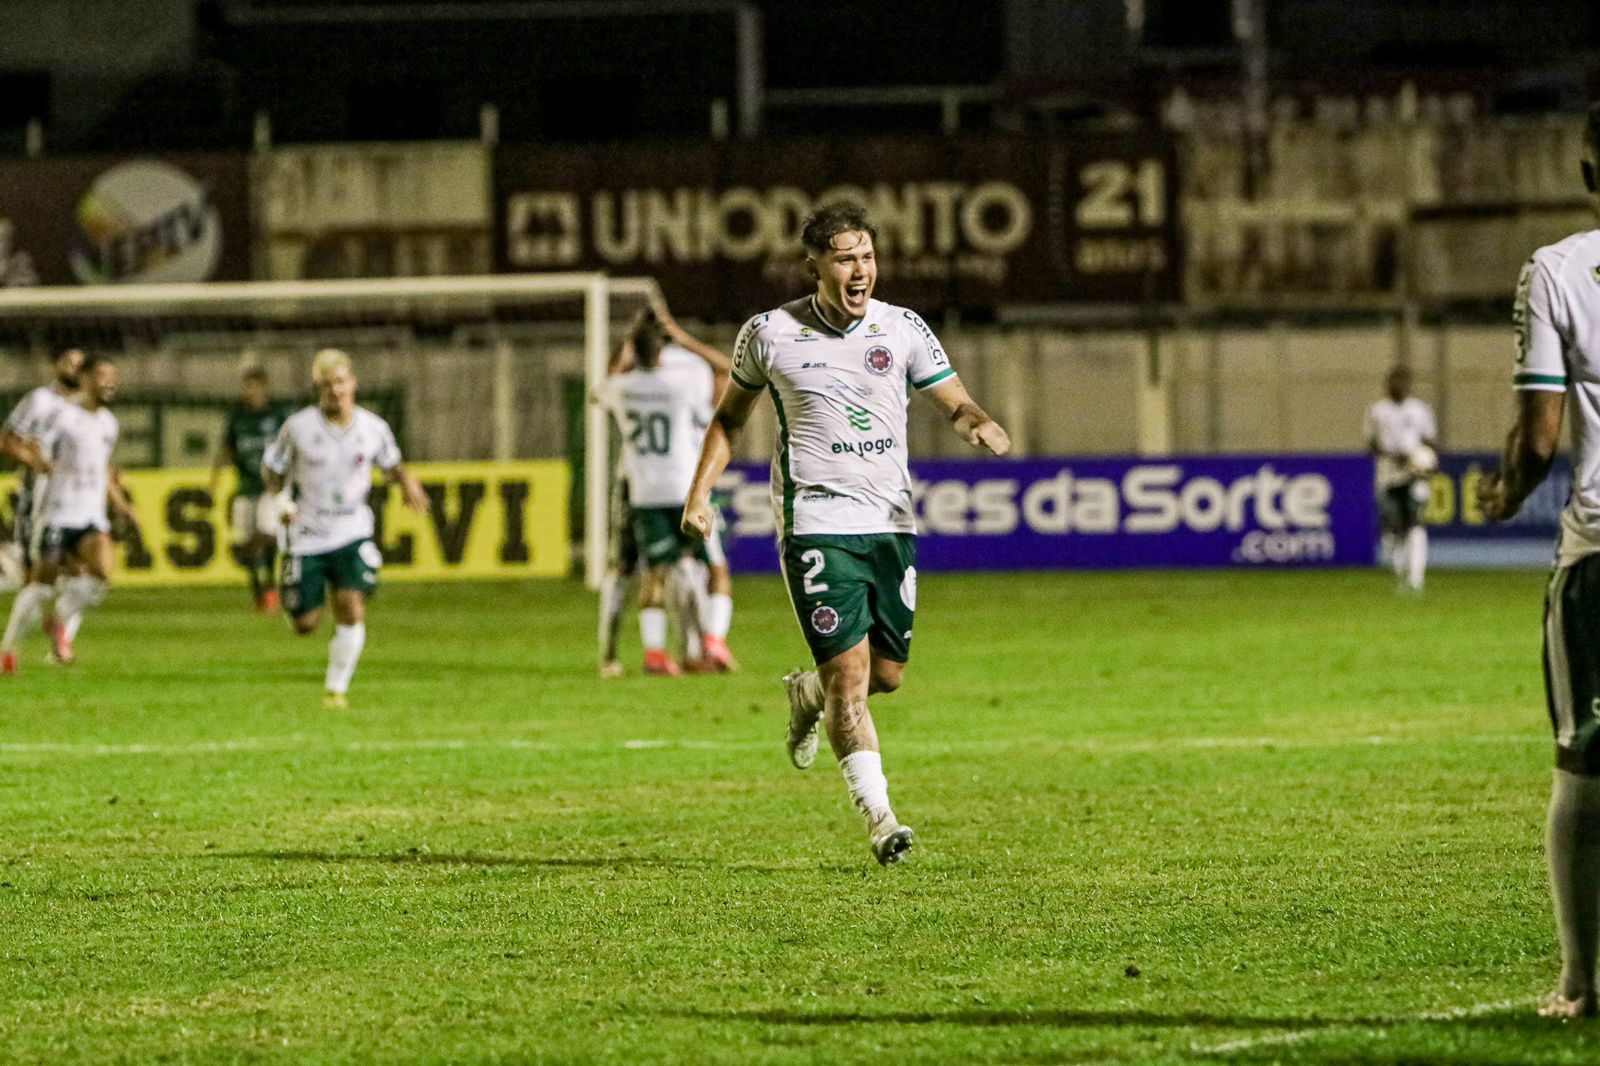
(661, 406)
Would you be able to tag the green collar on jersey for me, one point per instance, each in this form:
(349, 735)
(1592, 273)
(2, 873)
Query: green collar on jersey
(822, 319)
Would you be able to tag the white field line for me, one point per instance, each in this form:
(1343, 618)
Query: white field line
(1452, 1014)
(1087, 746)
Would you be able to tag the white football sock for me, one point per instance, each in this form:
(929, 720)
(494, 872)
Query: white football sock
(613, 598)
(25, 611)
(863, 775)
(1417, 556)
(1573, 843)
(72, 625)
(80, 593)
(344, 651)
(653, 628)
(720, 610)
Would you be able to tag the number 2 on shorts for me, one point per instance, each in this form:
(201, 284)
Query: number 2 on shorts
(817, 561)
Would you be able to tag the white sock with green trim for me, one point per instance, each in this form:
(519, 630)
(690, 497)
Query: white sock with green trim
(720, 615)
(1416, 556)
(344, 651)
(863, 776)
(653, 628)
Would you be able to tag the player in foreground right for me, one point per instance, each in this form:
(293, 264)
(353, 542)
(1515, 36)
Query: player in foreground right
(1557, 306)
(840, 367)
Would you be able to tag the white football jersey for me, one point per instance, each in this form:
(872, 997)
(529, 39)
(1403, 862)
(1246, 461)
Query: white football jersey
(79, 443)
(662, 413)
(330, 470)
(839, 465)
(1557, 318)
(1398, 428)
(29, 420)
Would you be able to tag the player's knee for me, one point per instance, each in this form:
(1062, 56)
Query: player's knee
(886, 675)
(305, 624)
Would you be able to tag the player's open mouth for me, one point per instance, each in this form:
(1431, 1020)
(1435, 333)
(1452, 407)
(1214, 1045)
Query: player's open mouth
(855, 292)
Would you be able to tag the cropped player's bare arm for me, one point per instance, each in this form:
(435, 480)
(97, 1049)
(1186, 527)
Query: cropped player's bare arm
(1530, 449)
(726, 424)
(720, 364)
(972, 423)
(410, 488)
(120, 501)
(22, 450)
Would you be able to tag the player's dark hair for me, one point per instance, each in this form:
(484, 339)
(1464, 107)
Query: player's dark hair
(1591, 142)
(647, 342)
(256, 373)
(90, 361)
(820, 227)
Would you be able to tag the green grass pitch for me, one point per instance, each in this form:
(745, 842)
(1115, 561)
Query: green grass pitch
(1160, 818)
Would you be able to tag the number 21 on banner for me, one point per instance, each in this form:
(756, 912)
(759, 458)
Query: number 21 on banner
(1122, 194)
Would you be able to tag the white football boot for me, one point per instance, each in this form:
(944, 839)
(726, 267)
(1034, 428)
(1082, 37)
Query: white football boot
(891, 844)
(801, 741)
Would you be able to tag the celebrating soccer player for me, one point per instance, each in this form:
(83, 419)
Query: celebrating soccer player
(660, 401)
(1558, 352)
(840, 366)
(319, 469)
(21, 439)
(251, 426)
(77, 531)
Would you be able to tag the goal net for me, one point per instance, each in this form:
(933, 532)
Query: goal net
(485, 369)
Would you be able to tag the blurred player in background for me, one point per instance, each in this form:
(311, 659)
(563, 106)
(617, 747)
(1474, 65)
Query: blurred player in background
(841, 366)
(252, 424)
(21, 441)
(1401, 435)
(319, 471)
(76, 542)
(661, 393)
(1558, 352)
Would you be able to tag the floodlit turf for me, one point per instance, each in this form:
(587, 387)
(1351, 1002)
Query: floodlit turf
(1164, 818)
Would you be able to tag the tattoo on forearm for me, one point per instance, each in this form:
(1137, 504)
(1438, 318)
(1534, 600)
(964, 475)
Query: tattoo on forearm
(969, 410)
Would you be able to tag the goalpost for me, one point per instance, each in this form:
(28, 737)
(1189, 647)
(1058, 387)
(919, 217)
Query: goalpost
(477, 365)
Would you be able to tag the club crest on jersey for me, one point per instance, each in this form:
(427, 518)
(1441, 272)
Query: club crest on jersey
(825, 620)
(879, 360)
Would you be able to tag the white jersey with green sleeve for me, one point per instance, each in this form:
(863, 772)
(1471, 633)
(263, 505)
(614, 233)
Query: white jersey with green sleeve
(660, 412)
(839, 464)
(1557, 317)
(330, 471)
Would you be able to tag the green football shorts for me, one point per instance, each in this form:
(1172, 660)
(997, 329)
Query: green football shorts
(306, 577)
(658, 532)
(846, 587)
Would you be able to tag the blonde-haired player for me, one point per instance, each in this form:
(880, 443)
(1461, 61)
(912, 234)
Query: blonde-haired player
(320, 470)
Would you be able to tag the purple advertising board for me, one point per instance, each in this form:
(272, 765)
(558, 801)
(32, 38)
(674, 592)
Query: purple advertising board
(1264, 512)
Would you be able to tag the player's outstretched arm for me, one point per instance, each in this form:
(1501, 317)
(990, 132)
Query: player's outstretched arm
(726, 424)
(972, 423)
(410, 487)
(1530, 449)
(720, 364)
